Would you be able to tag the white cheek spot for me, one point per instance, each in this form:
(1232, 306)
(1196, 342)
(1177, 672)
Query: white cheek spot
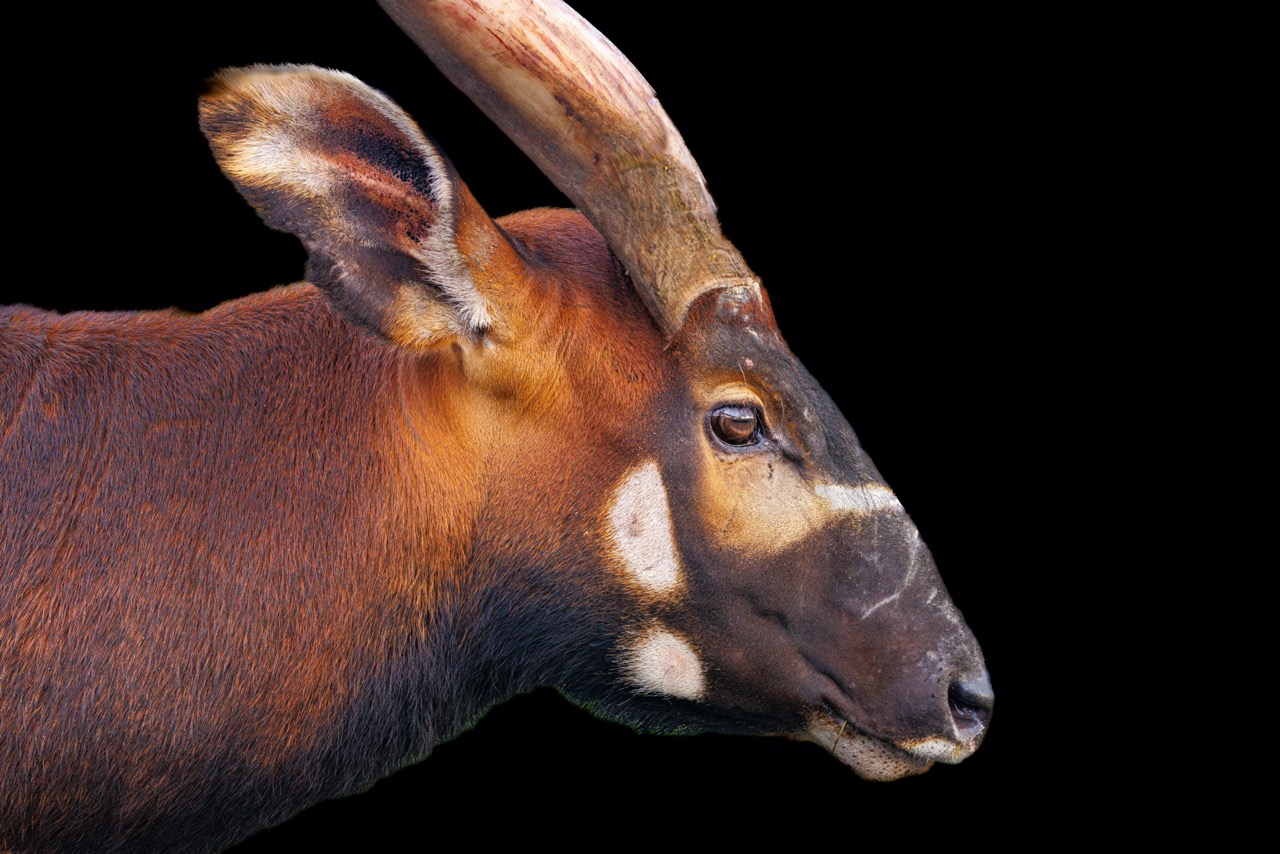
(664, 663)
(640, 525)
(860, 500)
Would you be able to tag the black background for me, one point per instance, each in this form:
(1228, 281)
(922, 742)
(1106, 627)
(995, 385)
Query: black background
(906, 188)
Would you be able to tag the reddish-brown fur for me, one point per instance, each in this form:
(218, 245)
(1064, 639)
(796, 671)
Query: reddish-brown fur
(231, 511)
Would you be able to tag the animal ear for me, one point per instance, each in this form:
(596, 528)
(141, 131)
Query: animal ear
(394, 236)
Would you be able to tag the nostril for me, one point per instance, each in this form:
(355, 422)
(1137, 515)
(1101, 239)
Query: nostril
(971, 701)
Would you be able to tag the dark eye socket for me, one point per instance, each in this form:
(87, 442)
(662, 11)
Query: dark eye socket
(736, 424)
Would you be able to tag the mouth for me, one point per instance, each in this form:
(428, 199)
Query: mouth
(873, 758)
(870, 758)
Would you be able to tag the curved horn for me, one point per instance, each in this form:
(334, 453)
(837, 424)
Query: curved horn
(583, 113)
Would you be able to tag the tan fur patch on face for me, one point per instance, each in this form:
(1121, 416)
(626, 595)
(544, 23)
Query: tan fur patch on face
(640, 528)
(662, 662)
(758, 503)
(761, 503)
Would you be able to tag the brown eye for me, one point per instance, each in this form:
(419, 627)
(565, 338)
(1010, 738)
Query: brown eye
(736, 425)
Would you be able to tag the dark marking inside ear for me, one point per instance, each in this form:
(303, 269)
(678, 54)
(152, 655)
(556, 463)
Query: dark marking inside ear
(382, 149)
(387, 153)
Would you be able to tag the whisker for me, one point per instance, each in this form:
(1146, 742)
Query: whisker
(836, 743)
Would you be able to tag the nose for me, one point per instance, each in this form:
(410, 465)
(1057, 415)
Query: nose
(971, 700)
